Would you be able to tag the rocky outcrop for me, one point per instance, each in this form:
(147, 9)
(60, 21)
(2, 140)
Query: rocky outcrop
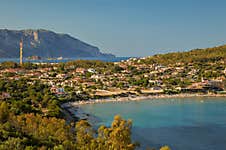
(45, 43)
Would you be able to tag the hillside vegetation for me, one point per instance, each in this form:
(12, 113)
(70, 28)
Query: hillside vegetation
(194, 56)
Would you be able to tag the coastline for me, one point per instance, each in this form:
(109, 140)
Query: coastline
(73, 108)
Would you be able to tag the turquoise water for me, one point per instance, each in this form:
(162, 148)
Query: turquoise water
(181, 123)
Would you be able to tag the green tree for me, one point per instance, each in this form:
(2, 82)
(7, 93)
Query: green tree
(84, 135)
(9, 64)
(116, 137)
(4, 112)
(13, 144)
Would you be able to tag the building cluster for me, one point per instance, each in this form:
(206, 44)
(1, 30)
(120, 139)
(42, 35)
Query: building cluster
(132, 76)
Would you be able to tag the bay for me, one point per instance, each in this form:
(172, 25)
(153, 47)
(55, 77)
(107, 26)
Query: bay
(182, 123)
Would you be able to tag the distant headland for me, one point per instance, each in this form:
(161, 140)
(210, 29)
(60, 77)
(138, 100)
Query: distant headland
(45, 44)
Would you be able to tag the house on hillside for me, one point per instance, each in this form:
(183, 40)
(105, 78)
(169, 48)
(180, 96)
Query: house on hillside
(57, 91)
(4, 95)
(91, 70)
(81, 70)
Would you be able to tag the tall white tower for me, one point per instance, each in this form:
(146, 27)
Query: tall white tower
(21, 52)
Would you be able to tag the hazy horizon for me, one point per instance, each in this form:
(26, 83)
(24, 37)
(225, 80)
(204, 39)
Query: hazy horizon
(124, 28)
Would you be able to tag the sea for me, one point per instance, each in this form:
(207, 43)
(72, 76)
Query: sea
(111, 59)
(197, 123)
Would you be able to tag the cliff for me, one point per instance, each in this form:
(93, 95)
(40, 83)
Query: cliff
(45, 43)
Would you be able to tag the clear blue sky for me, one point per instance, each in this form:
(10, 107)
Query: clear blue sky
(124, 27)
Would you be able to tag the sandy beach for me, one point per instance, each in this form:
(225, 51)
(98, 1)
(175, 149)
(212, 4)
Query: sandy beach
(74, 109)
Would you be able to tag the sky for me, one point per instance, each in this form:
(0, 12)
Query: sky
(124, 27)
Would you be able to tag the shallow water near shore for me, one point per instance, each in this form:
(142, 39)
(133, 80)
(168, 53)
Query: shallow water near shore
(182, 123)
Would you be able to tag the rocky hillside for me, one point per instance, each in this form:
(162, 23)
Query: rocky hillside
(45, 43)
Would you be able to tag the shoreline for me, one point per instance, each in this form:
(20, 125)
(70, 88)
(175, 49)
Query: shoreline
(73, 108)
(142, 97)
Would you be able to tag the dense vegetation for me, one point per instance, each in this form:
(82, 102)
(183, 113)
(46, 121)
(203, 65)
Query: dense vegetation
(194, 56)
(28, 116)
(30, 97)
(31, 119)
(33, 131)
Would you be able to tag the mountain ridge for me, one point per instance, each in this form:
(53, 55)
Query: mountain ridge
(45, 43)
